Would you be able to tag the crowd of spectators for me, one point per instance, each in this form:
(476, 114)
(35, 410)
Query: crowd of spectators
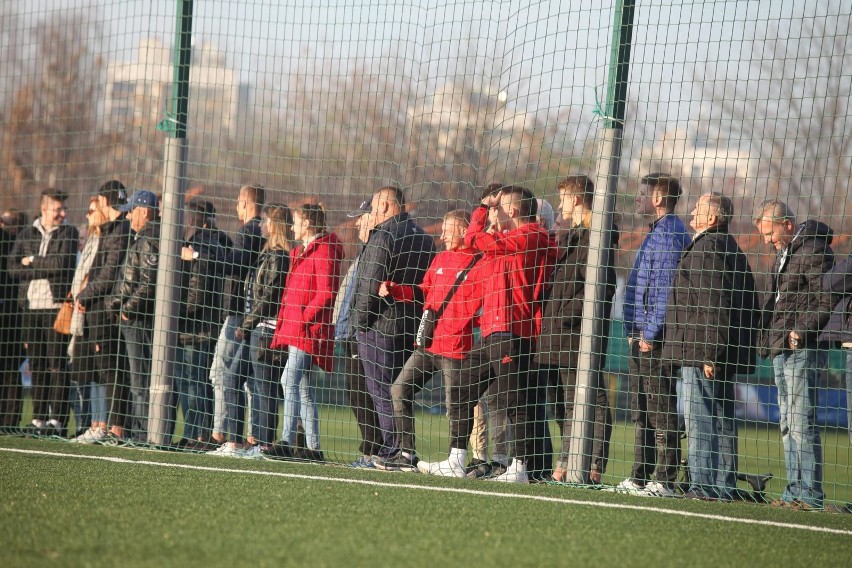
(498, 313)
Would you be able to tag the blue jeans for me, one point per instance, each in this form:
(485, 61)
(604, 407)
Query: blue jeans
(138, 338)
(299, 396)
(711, 432)
(263, 386)
(796, 373)
(235, 394)
(193, 367)
(226, 348)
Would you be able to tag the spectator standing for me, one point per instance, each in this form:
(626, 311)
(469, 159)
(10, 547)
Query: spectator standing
(11, 344)
(304, 324)
(231, 365)
(43, 260)
(453, 334)
(712, 314)
(360, 400)
(397, 250)
(200, 316)
(795, 310)
(838, 330)
(133, 303)
(102, 330)
(562, 319)
(653, 398)
(518, 257)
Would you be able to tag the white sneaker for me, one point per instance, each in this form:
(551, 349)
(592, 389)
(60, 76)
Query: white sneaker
(227, 451)
(446, 468)
(658, 489)
(630, 487)
(515, 473)
(91, 436)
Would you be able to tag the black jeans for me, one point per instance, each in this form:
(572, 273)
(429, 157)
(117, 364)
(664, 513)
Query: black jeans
(417, 371)
(505, 360)
(360, 400)
(565, 381)
(653, 408)
(47, 351)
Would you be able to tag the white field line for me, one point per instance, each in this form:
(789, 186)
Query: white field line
(559, 500)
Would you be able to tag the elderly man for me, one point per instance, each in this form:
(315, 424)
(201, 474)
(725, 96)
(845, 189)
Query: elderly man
(397, 250)
(795, 310)
(710, 320)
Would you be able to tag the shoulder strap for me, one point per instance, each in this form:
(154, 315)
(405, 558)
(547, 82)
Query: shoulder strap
(459, 279)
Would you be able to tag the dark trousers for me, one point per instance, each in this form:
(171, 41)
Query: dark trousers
(505, 360)
(111, 365)
(235, 379)
(46, 350)
(564, 388)
(653, 408)
(12, 349)
(360, 400)
(264, 383)
(137, 340)
(418, 370)
(383, 358)
(196, 392)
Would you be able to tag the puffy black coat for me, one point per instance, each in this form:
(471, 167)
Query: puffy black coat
(57, 265)
(713, 312)
(103, 277)
(264, 288)
(400, 251)
(795, 300)
(838, 283)
(562, 312)
(135, 290)
(202, 279)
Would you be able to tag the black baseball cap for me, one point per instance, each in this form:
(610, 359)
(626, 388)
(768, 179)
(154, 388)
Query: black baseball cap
(363, 209)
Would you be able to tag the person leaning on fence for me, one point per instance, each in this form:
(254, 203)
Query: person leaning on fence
(398, 250)
(132, 303)
(838, 330)
(231, 365)
(562, 318)
(42, 260)
(452, 336)
(518, 258)
(201, 271)
(794, 312)
(653, 399)
(101, 327)
(304, 325)
(711, 317)
(11, 390)
(360, 400)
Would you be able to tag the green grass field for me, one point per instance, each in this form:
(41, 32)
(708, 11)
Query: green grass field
(73, 505)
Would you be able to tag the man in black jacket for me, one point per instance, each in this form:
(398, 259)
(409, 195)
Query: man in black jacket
(200, 316)
(838, 330)
(562, 318)
(42, 260)
(398, 250)
(795, 309)
(11, 400)
(103, 333)
(133, 301)
(710, 326)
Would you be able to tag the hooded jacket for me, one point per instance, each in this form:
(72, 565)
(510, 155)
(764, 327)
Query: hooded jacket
(795, 300)
(304, 319)
(56, 265)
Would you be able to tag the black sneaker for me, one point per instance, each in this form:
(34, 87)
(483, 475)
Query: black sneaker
(278, 451)
(397, 463)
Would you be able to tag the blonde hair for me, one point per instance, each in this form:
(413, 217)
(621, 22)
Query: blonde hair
(280, 222)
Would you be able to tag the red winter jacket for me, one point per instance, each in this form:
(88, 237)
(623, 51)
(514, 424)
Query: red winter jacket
(516, 267)
(454, 330)
(304, 318)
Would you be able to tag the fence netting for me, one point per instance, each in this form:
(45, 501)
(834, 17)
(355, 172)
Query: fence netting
(393, 247)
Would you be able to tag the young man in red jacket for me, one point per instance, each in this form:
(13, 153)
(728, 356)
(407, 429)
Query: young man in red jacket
(518, 258)
(453, 336)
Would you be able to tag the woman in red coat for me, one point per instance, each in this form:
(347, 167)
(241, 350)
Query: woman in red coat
(304, 324)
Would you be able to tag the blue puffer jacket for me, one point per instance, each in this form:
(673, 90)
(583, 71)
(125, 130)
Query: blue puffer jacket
(650, 280)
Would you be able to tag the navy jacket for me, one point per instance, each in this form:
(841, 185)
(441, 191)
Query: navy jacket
(838, 283)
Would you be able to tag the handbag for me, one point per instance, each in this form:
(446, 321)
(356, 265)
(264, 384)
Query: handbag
(62, 324)
(429, 321)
